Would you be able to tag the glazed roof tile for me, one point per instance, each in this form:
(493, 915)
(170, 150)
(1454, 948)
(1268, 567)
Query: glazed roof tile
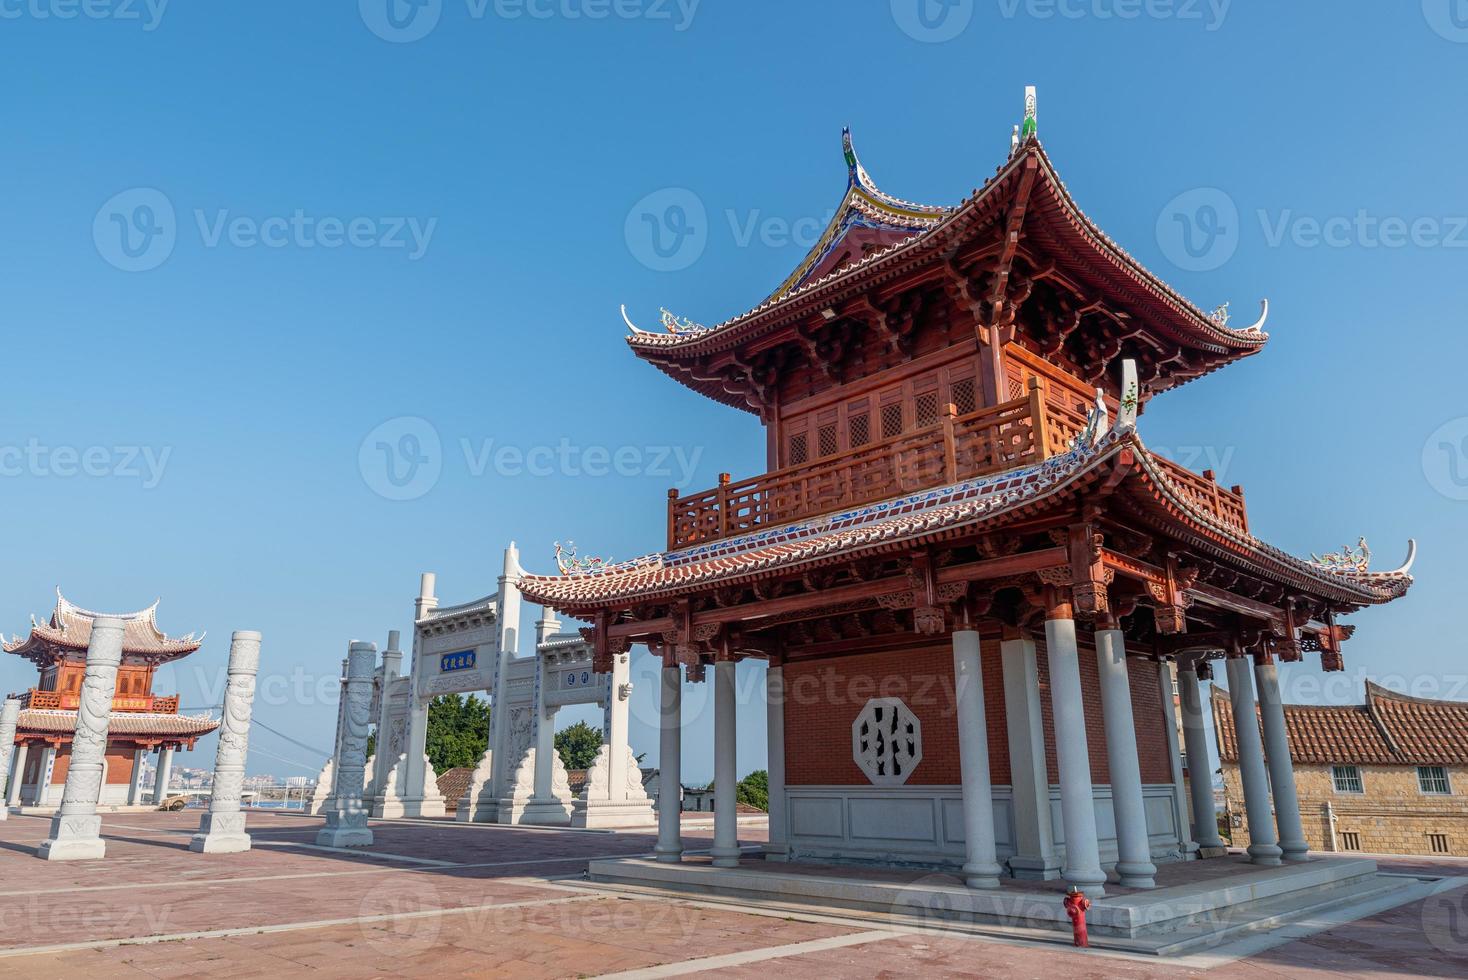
(69, 629)
(49, 721)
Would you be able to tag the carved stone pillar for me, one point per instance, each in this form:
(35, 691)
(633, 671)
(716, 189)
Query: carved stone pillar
(346, 826)
(9, 717)
(17, 775)
(222, 829)
(75, 830)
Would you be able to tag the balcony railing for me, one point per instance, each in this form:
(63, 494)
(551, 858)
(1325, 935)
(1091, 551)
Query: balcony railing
(70, 700)
(957, 447)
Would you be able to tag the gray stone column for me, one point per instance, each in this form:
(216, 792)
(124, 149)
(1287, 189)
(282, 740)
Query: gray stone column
(1034, 835)
(1133, 844)
(1200, 770)
(222, 829)
(346, 826)
(43, 777)
(17, 775)
(670, 758)
(1281, 767)
(164, 775)
(384, 763)
(1168, 695)
(726, 771)
(778, 848)
(76, 828)
(1263, 844)
(135, 783)
(1073, 756)
(9, 718)
(981, 867)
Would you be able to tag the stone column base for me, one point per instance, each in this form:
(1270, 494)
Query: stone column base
(1034, 868)
(344, 837)
(599, 815)
(74, 838)
(222, 833)
(1212, 852)
(542, 813)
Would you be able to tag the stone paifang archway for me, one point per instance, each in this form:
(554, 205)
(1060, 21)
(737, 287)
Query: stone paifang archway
(520, 779)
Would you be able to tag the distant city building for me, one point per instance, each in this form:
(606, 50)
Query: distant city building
(1388, 776)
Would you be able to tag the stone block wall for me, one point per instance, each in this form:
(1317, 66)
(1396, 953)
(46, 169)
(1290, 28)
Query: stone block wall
(1391, 816)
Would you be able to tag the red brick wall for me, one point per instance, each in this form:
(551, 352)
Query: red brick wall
(119, 765)
(822, 699)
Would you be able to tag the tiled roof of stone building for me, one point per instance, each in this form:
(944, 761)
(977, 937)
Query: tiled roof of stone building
(1389, 729)
(453, 783)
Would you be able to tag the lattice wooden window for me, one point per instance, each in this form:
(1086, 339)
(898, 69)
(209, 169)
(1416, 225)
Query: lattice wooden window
(892, 420)
(826, 440)
(859, 430)
(961, 393)
(926, 407)
(799, 450)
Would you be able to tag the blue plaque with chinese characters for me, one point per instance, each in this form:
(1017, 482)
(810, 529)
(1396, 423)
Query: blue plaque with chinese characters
(462, 660)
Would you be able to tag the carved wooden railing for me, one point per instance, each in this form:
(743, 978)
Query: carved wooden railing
(957, 447)
(70, 700)
(1204, 491)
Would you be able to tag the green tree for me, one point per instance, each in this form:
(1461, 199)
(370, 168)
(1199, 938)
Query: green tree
(458, 731)
(578, 745)
(754, 790)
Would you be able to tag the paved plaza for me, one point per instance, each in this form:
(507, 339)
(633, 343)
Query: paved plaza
(442, 899)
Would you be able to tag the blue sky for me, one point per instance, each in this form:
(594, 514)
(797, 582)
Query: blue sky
(367, 229)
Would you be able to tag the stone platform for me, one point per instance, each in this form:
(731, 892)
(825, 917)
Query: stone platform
(1197, 903)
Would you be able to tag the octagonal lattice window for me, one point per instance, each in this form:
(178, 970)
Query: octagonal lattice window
(887, 741)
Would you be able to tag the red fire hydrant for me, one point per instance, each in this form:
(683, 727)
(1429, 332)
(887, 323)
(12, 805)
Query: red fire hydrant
(1076, 904)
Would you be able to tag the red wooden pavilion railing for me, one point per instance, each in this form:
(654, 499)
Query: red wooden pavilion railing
(957, 447)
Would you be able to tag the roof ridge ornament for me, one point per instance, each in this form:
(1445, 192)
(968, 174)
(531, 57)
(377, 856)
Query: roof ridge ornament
(632, 326)
(680, 327)
(1351, 560)
(569, 564)
(1031, 128)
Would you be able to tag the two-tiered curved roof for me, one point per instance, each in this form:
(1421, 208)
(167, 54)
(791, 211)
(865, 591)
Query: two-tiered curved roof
(68, 632)
(876, 240)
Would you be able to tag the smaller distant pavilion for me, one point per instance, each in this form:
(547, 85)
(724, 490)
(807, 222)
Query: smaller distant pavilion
(142, 722)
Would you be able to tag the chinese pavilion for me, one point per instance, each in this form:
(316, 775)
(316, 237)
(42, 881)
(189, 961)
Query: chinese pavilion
(142, 722)
(965, 569)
